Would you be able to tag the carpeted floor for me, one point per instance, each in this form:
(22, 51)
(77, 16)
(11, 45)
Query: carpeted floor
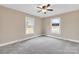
(41, 45)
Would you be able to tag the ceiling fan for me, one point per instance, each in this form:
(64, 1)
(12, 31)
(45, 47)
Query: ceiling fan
(44, 8)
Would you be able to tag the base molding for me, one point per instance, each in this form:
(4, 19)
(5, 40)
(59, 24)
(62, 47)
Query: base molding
(12, 42)
(15, 41)
(67, 39)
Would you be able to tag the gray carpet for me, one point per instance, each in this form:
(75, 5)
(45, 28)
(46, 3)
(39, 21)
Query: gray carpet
(41, 45)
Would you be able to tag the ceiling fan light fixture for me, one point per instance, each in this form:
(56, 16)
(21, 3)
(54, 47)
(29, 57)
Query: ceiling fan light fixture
(44, 8)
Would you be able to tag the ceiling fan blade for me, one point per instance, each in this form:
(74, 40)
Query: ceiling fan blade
(39, 7)
(50, 9)
(48, 5)
(39, 11)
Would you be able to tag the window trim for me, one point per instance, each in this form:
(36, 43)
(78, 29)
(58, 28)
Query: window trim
(27, 17)
(59, 25)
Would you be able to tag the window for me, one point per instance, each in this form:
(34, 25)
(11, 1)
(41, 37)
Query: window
(55, 25)
(29, 25)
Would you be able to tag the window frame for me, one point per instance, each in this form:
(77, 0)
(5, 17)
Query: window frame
(26, 26)
(59, 25)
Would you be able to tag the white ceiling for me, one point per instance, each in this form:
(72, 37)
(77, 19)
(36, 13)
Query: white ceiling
(31, 9)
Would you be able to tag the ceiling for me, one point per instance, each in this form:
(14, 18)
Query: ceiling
(32, 10)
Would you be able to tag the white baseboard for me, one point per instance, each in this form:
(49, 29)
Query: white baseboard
(12, 42)
(72, 40)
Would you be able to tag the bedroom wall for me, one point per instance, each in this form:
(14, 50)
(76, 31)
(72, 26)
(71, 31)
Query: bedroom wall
(12, 25)
(69, 25)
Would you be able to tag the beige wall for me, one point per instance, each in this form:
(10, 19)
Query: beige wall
(0, 26)
(12, 25)
(69, 25)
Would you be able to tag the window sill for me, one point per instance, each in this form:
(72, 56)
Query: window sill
(29, 33)
(56, 33)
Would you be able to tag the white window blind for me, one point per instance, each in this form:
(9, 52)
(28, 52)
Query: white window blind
(29, 25)
(55, 25)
